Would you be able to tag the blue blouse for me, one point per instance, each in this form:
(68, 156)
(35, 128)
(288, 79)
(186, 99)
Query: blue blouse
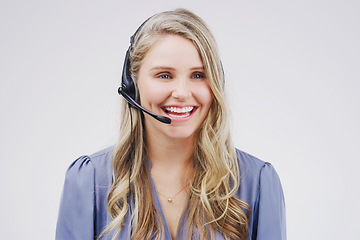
(83, 208)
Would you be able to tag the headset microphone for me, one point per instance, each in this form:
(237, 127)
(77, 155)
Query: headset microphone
(133, 103)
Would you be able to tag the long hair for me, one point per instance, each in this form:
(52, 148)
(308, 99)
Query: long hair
(212, 205)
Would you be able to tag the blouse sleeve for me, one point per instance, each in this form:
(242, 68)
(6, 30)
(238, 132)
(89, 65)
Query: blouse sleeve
(76, 213)
(271, 206)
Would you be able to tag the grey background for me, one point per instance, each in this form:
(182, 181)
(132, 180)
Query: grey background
(292, 78)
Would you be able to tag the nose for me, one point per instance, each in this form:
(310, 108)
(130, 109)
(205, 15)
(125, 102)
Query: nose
(182, 90)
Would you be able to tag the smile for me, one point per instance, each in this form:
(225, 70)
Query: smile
(179, 112)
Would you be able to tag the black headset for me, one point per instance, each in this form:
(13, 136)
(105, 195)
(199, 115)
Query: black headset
(128, 86)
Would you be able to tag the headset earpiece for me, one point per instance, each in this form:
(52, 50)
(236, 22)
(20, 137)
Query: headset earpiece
(127, 82)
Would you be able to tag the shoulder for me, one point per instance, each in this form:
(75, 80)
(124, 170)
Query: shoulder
(248, 162)
(97, 166)
(97, 159)
(252, 167)
(255, 174)
(102, 160)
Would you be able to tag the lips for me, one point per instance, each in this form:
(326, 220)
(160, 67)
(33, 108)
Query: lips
(179, 112)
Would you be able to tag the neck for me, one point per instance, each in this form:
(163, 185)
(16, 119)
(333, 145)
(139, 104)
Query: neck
(176, 153)
(171, 159)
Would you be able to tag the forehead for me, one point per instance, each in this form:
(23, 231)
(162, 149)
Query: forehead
(174, 50)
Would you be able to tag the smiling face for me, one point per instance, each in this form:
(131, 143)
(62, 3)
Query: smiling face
(172, 83)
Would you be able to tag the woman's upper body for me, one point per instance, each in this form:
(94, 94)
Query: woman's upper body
(180, 178)
(83, 210)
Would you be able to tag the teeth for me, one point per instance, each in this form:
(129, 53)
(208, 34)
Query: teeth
(179, 116)
(179, 110)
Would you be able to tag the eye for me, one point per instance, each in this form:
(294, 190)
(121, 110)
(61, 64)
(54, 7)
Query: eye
(198, 75)
(164, 76)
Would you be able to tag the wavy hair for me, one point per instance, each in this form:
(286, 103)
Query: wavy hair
(212, 205)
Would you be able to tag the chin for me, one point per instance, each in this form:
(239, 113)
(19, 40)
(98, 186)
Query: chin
(181, 134)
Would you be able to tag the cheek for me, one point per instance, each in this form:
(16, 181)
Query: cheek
(150, 93)
(205, 96)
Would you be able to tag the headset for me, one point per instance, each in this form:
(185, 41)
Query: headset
(128, 86)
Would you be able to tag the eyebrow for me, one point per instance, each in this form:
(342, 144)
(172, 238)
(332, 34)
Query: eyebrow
(162, 68)
(170, 68)
(197, 68)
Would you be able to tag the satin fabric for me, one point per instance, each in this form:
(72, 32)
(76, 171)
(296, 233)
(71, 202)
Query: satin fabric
(83, 208)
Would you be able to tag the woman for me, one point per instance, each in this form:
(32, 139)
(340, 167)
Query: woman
(182, 180)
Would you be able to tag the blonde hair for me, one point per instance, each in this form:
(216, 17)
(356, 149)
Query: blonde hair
(212, 205)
